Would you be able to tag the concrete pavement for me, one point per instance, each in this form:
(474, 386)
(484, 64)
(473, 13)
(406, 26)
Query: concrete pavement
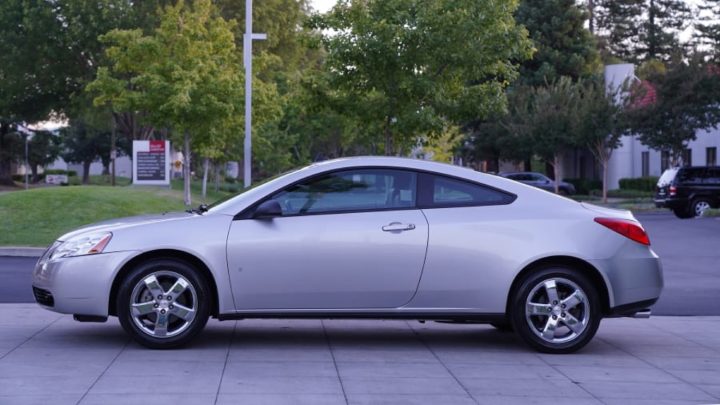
(49, 358)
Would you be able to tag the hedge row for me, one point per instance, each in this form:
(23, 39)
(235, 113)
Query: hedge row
(640, 183)
(585, 186)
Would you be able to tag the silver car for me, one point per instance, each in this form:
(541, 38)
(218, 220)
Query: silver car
(369, 237)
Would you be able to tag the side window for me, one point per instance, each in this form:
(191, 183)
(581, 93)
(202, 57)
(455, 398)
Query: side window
(448, 192)
(351, 190)
(713, 176)
(691, 176)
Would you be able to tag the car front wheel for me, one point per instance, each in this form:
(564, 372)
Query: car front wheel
(556, 310)
(163, 303)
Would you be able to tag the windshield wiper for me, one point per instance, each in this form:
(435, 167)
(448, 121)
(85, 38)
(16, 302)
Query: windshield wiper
(199, 210)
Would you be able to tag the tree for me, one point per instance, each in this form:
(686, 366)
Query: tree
(601, 123)
(43, 149)
(84, 144)
(410, 68)
(686, 99)
(564, 46)
(706, 35)
(659, 32)
(617, 27)
(548, 119)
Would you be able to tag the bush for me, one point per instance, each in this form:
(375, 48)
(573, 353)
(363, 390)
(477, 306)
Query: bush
(60, 171)
(639, 183)
(585, 186)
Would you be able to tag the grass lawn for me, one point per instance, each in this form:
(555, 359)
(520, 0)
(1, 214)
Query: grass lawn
(37, 217)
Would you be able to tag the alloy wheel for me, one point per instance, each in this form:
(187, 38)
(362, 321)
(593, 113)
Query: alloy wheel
(557, 310)
(163, 304)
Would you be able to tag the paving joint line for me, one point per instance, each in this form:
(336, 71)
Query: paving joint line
(104, 371)
(31, 336)
(658, 368)
(337, 370)
(576, 383)
(427, 346)
(227, 357)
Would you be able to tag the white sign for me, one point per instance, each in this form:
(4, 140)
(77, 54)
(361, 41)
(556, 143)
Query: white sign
(56, 178)
(151, 162)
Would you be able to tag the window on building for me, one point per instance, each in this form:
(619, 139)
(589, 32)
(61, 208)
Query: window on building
(711, 156)
(645, 163)
(687, 157)
(664, 160)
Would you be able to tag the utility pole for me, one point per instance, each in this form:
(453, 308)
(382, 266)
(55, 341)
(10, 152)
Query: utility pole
(247, 61)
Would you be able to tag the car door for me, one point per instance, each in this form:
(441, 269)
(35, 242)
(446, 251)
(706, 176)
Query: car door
(347, 239)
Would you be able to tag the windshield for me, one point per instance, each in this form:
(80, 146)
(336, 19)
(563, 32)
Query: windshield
(667, 177)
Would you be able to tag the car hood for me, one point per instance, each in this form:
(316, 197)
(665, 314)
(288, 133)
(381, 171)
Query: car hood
(118, 223)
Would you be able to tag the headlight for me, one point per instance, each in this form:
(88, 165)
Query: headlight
(82, 245)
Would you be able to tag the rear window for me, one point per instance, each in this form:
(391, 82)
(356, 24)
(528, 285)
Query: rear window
(451, 192)
(667, 177)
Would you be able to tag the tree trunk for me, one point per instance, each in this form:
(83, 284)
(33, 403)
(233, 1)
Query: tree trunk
(86, 172)
(557, 170)
(34, 171)
(186, 170)
(605, 180)
(5, 160)
(217, 177)
(206, 167)
(388, 138)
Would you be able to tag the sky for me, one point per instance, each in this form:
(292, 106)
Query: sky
(322, 5)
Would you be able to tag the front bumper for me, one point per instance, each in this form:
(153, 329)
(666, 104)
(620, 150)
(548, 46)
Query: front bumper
(78, 285)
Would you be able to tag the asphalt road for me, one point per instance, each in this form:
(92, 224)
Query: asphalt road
(690, 252)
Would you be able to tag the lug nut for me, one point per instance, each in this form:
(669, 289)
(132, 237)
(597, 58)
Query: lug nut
(162, 311)
(171, 307)
(554, 302)
(563, 314)
(159, 297)
(554, 317)
(169, 297)
(156, 305)
(562, 306)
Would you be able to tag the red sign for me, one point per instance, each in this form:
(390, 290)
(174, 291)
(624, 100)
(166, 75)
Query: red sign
(157, 146)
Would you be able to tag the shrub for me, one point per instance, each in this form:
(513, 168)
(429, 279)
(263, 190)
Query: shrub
(639, 183)
(585, 186)
(60, 171)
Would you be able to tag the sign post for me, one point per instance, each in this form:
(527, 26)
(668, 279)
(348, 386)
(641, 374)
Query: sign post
(247, 60)
(151, 163)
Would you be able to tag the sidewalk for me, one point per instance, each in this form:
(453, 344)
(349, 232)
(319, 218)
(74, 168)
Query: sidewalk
(48, 358)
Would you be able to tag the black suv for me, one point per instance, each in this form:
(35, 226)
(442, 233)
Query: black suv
(689, 191)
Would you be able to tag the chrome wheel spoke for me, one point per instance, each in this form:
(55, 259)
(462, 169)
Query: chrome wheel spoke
(548, 331)
(152, 284)
(161, 325)
(573, 323)
(183, 312)
(573, 300)
(551, 291)
(534, 308)
(178, 288)
(143, 308)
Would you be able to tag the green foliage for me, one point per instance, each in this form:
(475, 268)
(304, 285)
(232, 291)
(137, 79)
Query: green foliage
(564, 46)
(659, 31)
(686, 101)
(639, 183)
(617, 25)
(409, 68)
(706, 35)
(585, 186)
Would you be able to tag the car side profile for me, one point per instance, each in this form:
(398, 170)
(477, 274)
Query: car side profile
(540, 181)
(366, 237)
(689, 191)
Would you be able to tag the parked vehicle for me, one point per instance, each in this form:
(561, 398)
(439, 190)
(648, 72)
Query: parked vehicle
(540, 181)
(689, 191)
(370, 237)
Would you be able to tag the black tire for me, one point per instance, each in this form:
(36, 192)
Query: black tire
(698, 207)
(530, 328)
(502, 326)
(682, 213)
(178, 331)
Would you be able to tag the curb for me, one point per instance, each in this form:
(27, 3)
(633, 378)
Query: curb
(21, 251)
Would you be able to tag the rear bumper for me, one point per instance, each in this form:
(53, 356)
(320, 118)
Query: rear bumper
(670, 203)
(633, 309)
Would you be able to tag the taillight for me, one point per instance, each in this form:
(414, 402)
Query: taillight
(627, 228)
(672, 190)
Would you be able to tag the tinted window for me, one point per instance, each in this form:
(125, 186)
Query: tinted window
(352, 190)
(694, 175)
(447, 191)
(713, 176)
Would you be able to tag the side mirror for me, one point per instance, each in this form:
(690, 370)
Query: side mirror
(268, 209)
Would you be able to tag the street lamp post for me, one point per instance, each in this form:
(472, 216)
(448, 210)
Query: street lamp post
(247, 61)
(27, 161)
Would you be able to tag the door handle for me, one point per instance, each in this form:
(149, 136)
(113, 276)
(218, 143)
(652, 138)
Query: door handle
(398, 227)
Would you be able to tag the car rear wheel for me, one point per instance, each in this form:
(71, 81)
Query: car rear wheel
(163, 303)
(699, 207)
(556, 310)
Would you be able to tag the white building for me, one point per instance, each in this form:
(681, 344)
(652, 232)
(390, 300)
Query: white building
(633, 159)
